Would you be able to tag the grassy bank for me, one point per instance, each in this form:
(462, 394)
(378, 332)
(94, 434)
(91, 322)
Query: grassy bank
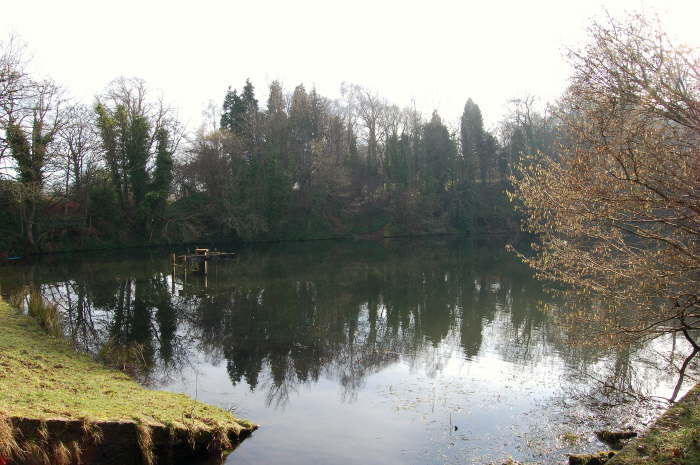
(42, 379)
(674, 438)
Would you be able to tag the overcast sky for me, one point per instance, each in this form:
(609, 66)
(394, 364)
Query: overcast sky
(437, 53)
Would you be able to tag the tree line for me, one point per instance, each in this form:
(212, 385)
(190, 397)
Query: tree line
(122, 170)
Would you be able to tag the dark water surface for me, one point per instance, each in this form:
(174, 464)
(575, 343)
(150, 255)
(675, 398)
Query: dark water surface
(401, 352)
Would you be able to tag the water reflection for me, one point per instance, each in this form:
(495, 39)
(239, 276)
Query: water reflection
(338, 310)
(281, 317)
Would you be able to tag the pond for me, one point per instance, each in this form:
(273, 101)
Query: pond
(397, 352)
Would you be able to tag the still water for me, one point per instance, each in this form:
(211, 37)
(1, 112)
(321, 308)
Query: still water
(399, 352)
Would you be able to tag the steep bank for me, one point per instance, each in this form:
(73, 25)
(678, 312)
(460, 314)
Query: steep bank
(60, 407)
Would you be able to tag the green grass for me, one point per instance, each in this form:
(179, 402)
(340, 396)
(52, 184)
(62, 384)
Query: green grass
(42, 377)
(673, 440)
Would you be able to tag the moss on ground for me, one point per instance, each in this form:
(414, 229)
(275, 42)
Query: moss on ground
(42, 377)
(673, 440)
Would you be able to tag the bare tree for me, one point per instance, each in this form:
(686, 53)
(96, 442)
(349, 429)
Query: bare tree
(370, 109)
(618, 212)
(393, 121)
(78, 153)
(134, 95)
(15, 85)
(31, 128)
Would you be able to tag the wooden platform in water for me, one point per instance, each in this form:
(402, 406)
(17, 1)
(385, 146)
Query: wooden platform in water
(210, 256)
(197, 262)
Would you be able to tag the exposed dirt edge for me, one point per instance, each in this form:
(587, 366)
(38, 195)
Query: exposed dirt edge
(62, 441)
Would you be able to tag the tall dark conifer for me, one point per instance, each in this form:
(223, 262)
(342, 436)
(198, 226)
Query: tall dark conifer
(233, 111)
(440, 151)
(471, 139)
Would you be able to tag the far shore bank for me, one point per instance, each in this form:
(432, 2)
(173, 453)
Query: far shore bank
(8, 257)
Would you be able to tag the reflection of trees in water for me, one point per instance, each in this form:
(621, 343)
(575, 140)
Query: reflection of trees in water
(620, 388)
(637, 371)
(289, 315)
(625, 372)
(110, 306)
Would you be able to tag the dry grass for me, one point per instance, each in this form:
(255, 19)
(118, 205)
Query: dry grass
(35, 453)
(17, 299)
(91, 431)
(129, 358)
(61, 454)
(46, 314)
(76, 452)
(8, 444)
(144, 438)
(220, 440)
(43, 432)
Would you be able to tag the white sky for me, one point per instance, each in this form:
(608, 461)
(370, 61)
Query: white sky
(437, 53)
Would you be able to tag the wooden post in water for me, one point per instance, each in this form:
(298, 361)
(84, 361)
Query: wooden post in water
(174, 263)
(204, 253)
